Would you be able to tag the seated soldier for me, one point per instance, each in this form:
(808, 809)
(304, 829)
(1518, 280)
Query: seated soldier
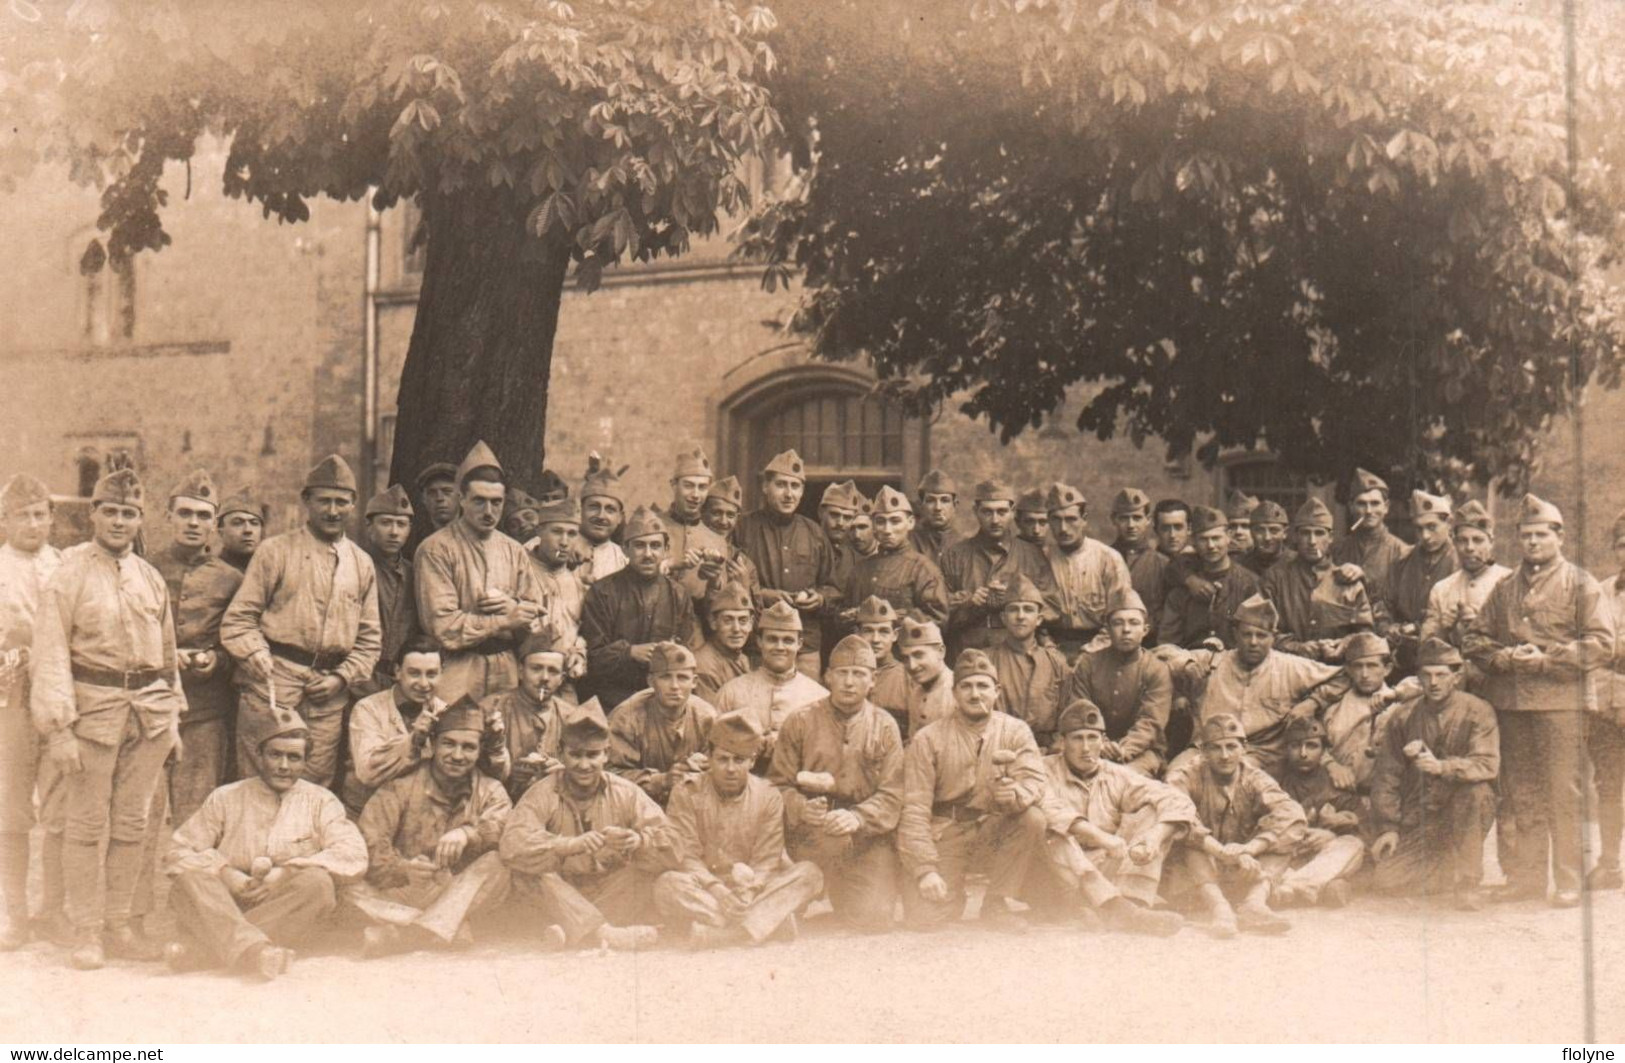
(730, 616)
(1354, 721)
(583, 846)
(877, 625)
(531, 714)
(431, 843)
(390, 729)
(776, 689)
(253, 869)
(734, 882)
(1031, 676)
(659, 735)
(1246, 831)
(971, 786)
(1130, 685)
(1432, 794)
(839, 765)
(1331, 849)
(1260, 685)
(929, 693)
(1111, 829)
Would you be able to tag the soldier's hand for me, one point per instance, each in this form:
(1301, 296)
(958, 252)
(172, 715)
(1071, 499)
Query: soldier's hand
(849, 616)
(494, 604)
(63, 753)
(1384, 846)
(623, 840)
(1231, 853)
(1427, 763)
(642, 652)
(575, 664)
(587, 844)
(259, 664)
(932, 888)
(1249, 866)
(1142, 852)
(1114, 847)
(1005, 796)
(323, 687)
(815, 812)
(1341, 777)
(980, 597)
(729, 901)
(841, 822)
(204, 663)
(1112, 751)
(1349, 573)
(449, 849)
(1201, 589)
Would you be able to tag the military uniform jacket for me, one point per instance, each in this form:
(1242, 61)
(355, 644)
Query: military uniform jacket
(407, 816)
(975, 562)
(1412, 580)
(1084, 581)
(1464, 737)
(1133, 691)
(1031, 681)
(1376, 551)
(863, 751)
(1558, 607)
(1187, 620)
(907, 579)
(715, 832)
(790, 556)
(1108, 798)
(1251, 806)
(645, 741)
(22, 580)
(551, 814)
(623, 611)
(200, 587)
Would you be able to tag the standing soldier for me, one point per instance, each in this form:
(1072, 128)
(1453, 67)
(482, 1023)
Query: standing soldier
(241, 525)
(1193, 614)
(603, 510)
(721, 514)
(1605, 737)
(1319, 602)
(836, 509)
(938, 495)
(304, 625)
(1085, 571)
(626, 615)
(1137, 543)
(1414, 575)
(26, 564)
(476, 587)
(1455, 601)
(1541, 640)
(696, 552)
(437, 490)
(1269, 537)
(1032, 518)
(1369, 543)
(896, 572)
(980, 570)
(790, 553)
(1239, 514)
(553, 552)
(389, 526)
(107, 699)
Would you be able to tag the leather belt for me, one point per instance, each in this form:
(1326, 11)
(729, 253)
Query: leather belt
(492, 646)
(321, 662)
(958, 812)
(134, 680)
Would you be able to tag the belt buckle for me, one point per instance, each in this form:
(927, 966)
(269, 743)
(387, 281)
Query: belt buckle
(129, 678)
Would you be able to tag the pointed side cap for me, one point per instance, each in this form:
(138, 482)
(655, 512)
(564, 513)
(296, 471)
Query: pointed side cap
(670, 657)
(852, 652)
(22, 491)
(1240, 507)
(120, 488)
(780, 616)
(919, 633)
(1472, 514)
(737, 733)
(1269, 512)
(1257, 611)
(1221, 727)
(1368, 481)
(1313, 514)
(876, 610)
(198, 485)
(1539, 511)
(890, 500)
(1023, 589)
(391, 502)
(731, 596)
(480, 456)
(1436, 651)
(1032, 502)
(332, 473)
(936, 482)
(993, 491)
(1130, 500)
(1080, 715)
(439, 470)
(788, 464)
(691, 463)
(974, 662)
(585, 722)
(642, 523)
(243, 500)
(728, 489)
(1423, 503)
(1206, 518)
(1063, 496)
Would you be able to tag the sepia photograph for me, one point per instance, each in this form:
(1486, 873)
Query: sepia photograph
(805, 522)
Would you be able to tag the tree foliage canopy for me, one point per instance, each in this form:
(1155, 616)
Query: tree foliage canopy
(620, 123)
(1342, 231)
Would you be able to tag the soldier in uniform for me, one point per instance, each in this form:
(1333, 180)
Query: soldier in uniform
(1269, 537)
(477, 589)
(388, 527)
(1238, 514)
(980, 570)
(389, 731)
(777, 688)
(861, 532)
(106, 696)
(836, 509)
(896, 572)
(436, 488)
(1085, 572)
(306, 621)
(1414, 575)
(929, 692)
(553, 553)
(657, 734)
(839, 765)
(972, 782)
(938, 496)
(722, 658)
(1131, 688)
(603, 510)
(532, 713)
(696, 552)
(1320, 602)
(1031, 676)
(878, 625)
(1032, 518)
(27, 561)
(1369, 544)
(735, 882)
(1605, 735)
(1455, 601)
(1199, 609)
(240, 525)
(720, 513)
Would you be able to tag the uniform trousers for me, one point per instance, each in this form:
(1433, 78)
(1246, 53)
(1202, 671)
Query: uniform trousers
(1002, 845)
(581, 904)
(1605, 742)
(19, 767)
(1542, 765)
(1444, 849)
(681, 899)
(437, 902)
(860, 873)
(1094, 873)
(206, 911)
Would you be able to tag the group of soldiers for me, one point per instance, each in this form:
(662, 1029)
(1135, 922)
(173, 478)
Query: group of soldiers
(692, 722)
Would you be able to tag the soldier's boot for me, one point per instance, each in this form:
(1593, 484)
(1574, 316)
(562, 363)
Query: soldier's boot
(127, 943)
(702, 936)
(628, 938)
(996, 915)
(87, 953)
(53, 921)
(1124, 915)
(267, 961)
(1221, 918)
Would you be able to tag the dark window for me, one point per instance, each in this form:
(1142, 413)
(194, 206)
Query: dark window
(840, 434)
(1264, 478)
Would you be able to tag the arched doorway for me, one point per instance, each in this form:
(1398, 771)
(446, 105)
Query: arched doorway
(829, 415)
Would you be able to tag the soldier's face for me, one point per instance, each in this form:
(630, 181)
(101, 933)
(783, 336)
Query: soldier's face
(891, 529)
(240, 533)
(1432, 533)
(688, 494)
(1213, 546)
(522, 524)
(1475, 549)
(1021, 619)
(848, 685)
(782, 493)
(779, 649)
(993, 518)
(1367, 674)
(114, 526)
(455, 753)
(1305, 756)
(558, 542)
(27, 527)
(976, 695)
(924, 663)
(1033, 527)
(1069, 526)
(1127, 629)
(1271, 537)
(440, 502)
(1313, 542)
(1539, 542)
(645, 554)
(880, 637)
(584, 762)
(939, 510)
(1223, 756)
(720, 515)
(600, 516)
(417, 677)
(1253, 644)
(861, 532)
(190, 519)
(327, 511)
(729, 771)
(1173, 531)
(387, 533)
(1131, 527)
(282, 762)
(731, 628)
(1082, 749)
(481, 505)
(1438, 681)
(541, 675)
(1241, 537)
(1370, 508)
(674, 688)
(835, 520)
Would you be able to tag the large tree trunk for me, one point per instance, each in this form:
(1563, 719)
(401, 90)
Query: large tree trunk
(482, 343)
